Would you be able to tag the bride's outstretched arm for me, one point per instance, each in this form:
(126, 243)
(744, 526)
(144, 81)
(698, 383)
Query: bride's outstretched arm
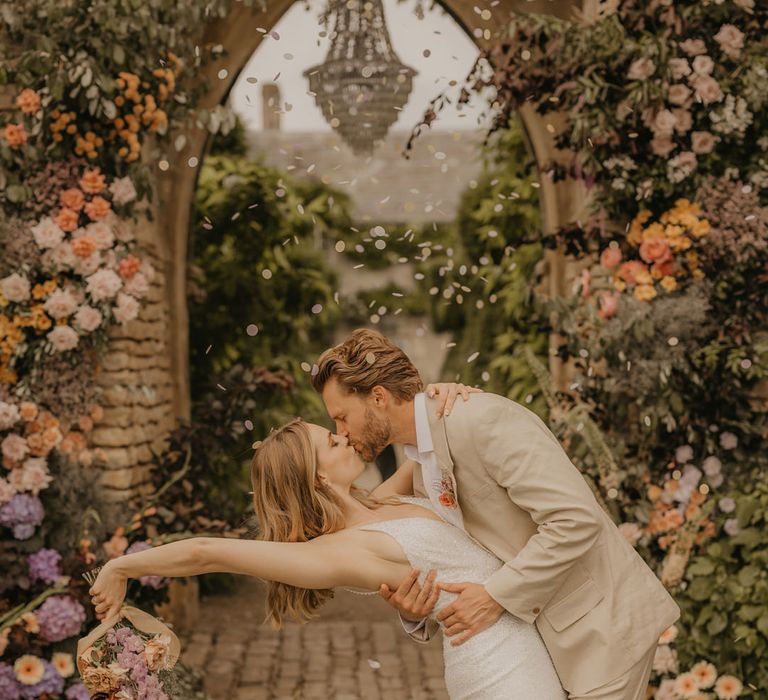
(325, 562)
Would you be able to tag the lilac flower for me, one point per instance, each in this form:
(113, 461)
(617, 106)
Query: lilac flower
(60, 617)
(152, 581)
(52, 683)
(130, 640)
(44, 565)
(10, 688)
(77, 692)
(23, 513)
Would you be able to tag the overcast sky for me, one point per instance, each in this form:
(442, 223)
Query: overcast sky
(451, 56)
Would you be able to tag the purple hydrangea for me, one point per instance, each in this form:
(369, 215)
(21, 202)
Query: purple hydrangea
(60, 617)
(151, 689)
(51, 683)
(152, 581)
(23, 513)
(10, 688)
(44, 565)
(129, 639)
(77, 692)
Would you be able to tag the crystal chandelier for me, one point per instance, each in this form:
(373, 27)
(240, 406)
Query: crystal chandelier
(361, 85)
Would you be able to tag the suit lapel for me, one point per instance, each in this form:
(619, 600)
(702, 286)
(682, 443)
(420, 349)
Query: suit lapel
(439, 438)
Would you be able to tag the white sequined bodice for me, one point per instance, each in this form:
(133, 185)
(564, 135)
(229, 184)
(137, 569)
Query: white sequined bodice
(508, 661)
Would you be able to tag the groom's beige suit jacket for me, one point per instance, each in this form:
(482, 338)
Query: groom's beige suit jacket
(597, 605)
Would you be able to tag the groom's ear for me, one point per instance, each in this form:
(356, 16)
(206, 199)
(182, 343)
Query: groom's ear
(380, 396)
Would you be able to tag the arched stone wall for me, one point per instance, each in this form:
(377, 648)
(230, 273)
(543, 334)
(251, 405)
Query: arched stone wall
(150, 358)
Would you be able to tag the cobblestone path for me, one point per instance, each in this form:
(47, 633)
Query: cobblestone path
(355, 650)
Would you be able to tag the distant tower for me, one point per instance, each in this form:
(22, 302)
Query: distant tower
(270, 107)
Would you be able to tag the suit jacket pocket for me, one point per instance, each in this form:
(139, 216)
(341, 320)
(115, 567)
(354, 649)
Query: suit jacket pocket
(574, 606)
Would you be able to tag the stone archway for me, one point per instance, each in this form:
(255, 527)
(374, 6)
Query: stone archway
(560, 202)
(146, 376)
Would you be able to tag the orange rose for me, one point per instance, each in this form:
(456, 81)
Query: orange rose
(447, 500)
(28, 411)
(67, 219)
(28, 101)
(128, 267)
(93, 181)
(83, 247)
(15, 135)
(72, 198)
(663, 269)
(655, 250)
(629, 271)
(98, 208)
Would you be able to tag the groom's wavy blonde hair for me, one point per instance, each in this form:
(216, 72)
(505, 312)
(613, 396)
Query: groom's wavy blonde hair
(366, 359)
(293, 505)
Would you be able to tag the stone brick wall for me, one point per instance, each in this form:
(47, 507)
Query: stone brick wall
(136, 383)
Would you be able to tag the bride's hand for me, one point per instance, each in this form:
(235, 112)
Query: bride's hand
(447, 393)
(108, 591)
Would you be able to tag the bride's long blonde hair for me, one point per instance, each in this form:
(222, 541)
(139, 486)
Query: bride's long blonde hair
(293, 505)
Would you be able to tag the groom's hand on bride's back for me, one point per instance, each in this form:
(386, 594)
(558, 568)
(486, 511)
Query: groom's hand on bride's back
(412, 601)
(472, 612)
(447, 393)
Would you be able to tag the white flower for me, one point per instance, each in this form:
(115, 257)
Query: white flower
(127, 308)
(47, 233)
(728, 687)
(63, 338)
(681, 166)
(678, 94)
(732, 117)
(63, 664)
(15, 287)
(731, 526)
(87, 266)
(684, 454)
(664, 123)
(9, 415)
(631, 532)
(666, 691)
(88, 318)
(103, 284)
(60, 304)
(728, 441)
(641, 69)
(101, 233)
(122, 190)
(62, 257)
(665, 659)
(731, 40)
(679, 67)
(712, 465)
(707, 88)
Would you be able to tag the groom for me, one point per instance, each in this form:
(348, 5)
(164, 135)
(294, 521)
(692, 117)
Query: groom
(494, 468)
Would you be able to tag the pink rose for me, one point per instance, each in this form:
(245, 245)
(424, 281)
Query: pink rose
(127, 308)
(88, 318)
(33, 476)
(679, 67)
(703, 65)
(87, 266)
(631, 532)
(15, 288)
(610, 257)
(7, 492)
(641, 69)
(122, 229)
(137, 286)
(693, 47)
(156, 652)
(665, 660)
(60, 258)
(122, 190)
(60, 304)
(731, 40)
(63, 338)
(9, 415)
(664, 123)
(707, 89)
(702, 142)
(678, 94)
(609, 305)
(103, 284)
(14, 447)
(47, 233)
(655, 249)
(683, 120)
(662, 145)
(101, 234)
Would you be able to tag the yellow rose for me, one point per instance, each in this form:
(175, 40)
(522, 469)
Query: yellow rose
(669, 284)
(644, 292)
(701, 228)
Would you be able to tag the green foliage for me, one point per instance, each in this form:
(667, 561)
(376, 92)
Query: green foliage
(484, 291)
(725, 596)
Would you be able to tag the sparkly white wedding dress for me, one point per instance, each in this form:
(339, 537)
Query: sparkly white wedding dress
(507, 661)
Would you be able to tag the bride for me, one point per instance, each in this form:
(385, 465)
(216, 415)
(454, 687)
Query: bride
(318, 532)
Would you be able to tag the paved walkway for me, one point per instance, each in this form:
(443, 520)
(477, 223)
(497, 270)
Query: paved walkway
(355, 650)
